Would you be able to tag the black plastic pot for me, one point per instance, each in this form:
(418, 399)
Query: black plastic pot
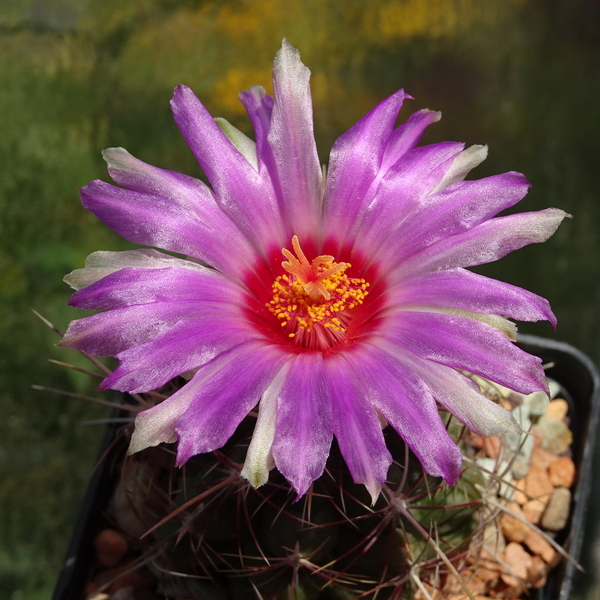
(580, 380)
(572, 369)
(79, 563)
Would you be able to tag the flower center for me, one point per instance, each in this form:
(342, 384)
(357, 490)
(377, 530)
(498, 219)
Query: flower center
(315, 299)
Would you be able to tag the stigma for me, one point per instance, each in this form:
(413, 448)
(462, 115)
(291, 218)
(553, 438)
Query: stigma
(314, 300)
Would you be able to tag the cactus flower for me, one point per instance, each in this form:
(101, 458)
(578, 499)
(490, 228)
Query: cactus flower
(337, 304)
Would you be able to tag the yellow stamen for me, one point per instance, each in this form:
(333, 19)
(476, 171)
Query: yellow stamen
(314, 303)
(309, 273)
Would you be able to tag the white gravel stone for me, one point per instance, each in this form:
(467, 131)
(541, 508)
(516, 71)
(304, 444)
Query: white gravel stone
(537, 403)
(554, 389)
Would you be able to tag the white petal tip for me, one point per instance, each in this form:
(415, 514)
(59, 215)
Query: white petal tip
(255, 478)
(374, 489)
(117, 158)
(436, 115)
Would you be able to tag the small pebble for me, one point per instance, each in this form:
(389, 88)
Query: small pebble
(477, 586)
(540, 546)
(493, 540)
(513, 529)
(491, 465)
(487, 566)
(538, 439)
(538, 403)
(557, 511)
(521, 414)
(519, 469)
(519, 562)
(520, 444)
(133, 580)
(557, 437)
(554, 388)
(537, 572)
(476, 440)
(557, 409)
(533, 510)
(542, 458)
(562, 472)
(491, 446)
(535, 486)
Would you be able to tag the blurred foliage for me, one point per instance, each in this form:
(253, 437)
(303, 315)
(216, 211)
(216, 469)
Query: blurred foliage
(78, 75)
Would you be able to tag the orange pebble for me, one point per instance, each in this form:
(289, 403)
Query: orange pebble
(562, 472)
(537, 572)
(491, 445)
(519, 562)
(540, 546)
(542, 458)
(513, 529)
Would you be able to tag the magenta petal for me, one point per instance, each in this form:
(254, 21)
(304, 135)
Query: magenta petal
(111, 332)
(221, 391)
(355, 164)
(259, 106)
(185, 346)
(157, 221)
(304, 429)
(292, 141)
(188, 193)
(406, 137)
(246, 196)
(467, 344)
(455, 209)
(487, 242)
(401, 189)
(293, 162)
(132, 173)
(132, 285)
(409, 407)
(220, 402)
(460, 396)
(458, 288)
(356, 426)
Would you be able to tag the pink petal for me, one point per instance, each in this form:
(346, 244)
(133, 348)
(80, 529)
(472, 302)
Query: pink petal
(111, 332)
(154, 220)
(237, 380)
(406, 402)
(457, 394)
(355, 165)
(304, 423)
(292, 141)
(246, 196)
(458, 288)
(356, 426)
(185, 346)
(487, 242)
(401, 189)
(101, 264)
(259, 106)
(464, 343)
(221, 391)
(132, 285)
(456, 209)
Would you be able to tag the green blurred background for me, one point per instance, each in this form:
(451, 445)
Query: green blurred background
(77, 76)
